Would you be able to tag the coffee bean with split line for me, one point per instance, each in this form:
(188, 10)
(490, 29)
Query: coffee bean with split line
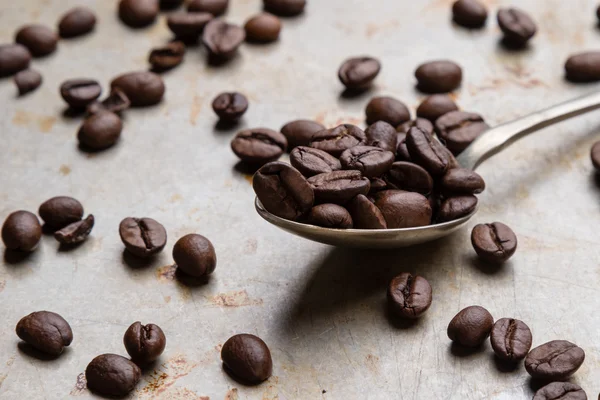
(358, 73)
(144, 343)
(560, 391)
(410, 177)
(382, 135)
(456, 207)
(409, 296)
(462, 181)
(143, 237)
(300, 132)
(365, 214)
(339, 139)
(167, 57)
(258, 146)
(330, 216)
(428, 152)
(338, 187)
(516, 25)
(458, 129)
(511, 339)
(554, 361)
(312, 162)
(79, 93)
(222, 39)
(188, 26)
(230, 106)
(494, 242)
(370, 161)
(141, 88)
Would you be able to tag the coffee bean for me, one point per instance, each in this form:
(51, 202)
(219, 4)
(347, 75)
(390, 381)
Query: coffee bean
(195, 255)
(560, 391)
(13, 58)
(377, 185)
(222, 39)
(330, 216)
(21, 231)
(583, 67)
(142, 237)
(438, 76)
(516, 25)
(382, 135)
(365, 214)
(39, 39)
(469, 13)
(46, 331)
(76, 22)
(312, 162)
(456, 207)
(285, 8)
(370, 161)
(421, 123)
(100, 131)
(214, 7)
(554, 361)
(458, 129)
(76, 232)
(112, 375)
(79, 93)
(403, 209)
(170, 4)
(402, 153)
(435, 106)
(167, 57)
(595, 155)
(283, 191)
(471, 326)
(511, 339)
(144, 343)
(462, 181)
(408, 176)
(116, 102)
(27, 81)
(258, 146)
(141, 88)
(60, 211)
(188, 26)
(409, 296)
(339, 139)
(338, 187)
(387, 109)
(494, 243)
(358, 73)
(300, 132)
(428, 152)
(230, 106)
(263, 28)
(138, 13)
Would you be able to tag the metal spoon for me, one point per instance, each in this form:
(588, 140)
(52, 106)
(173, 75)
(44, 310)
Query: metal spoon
(490, 143)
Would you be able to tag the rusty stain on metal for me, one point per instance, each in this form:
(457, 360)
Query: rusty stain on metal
(167, 374)
(195, 109)
(234, 299)
(251, 246)
(248, 178)
(2, 284)
(26, 118)
(166, 273)
(271, 392)
(232, 394)
(167, 299)
(372, 363)
(175, 198)
(80, 385)
(374, 28)
(64, 170)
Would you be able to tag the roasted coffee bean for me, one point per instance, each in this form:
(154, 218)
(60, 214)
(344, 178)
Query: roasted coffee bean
(27, 81)
(112, 375)
(170, 4)
(230, 106)
(195, 255)
(365, 214)
(312, 162)
(382, 135)
(469, 13)
(248, 358)
(440, 76)
(79, 93)
(167, 57)
(456, 207)
(408, 176)
(402, 153)
(39, 39)
(144, 343)
(516, 25)
(358, 73)
(560, 391)
(188, 26)
(511, 339)
(100, 131)
(462, 181)
(222, 39)
(387, 109)
(283, 191)
(13, 58)
(60, 211)
(141, 88)
(330, 216)
(339, 139)
(409, 296)
(377, 185)
(116, 102)
(583, 67)
(403, 209)
(214, 7)
(338, 187)
(46, 331)
(76, 232)
(435, 106)
(258, 146)
(285, 8)
(138, 13)
(471, 326)
(370, 161)
(300, 132)
(458, 129)
(421, 123)
(143, 237)
(494, 242)
(263, 28)
(21, 231)
(428, 152)
(554, 361)
(76, 22)
(595, 155)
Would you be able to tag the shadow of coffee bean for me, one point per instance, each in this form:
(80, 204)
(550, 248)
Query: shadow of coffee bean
(15, 257)
(32, 352)
(504, 365)
(190, 281)
(134, 262)
(458, 350)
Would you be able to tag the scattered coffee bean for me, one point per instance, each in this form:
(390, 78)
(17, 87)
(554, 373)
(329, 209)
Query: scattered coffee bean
(143, 237)
(283, 191)
(494, 243)
(583, 67)
(435, 106)
(167, 57)
(144, 343)
(330, 216)
(469, 13)
(554, 361)
(365, 214)
(339, 139)
(595, 155)
(79, 93)
(462, 181)
(403, 209)
(138, 13)
(116, 102)
(263, 28)
(195, 255)
(170, 4)
(471, 326)
(21, 231)
(358, 73)
(230, 106)
(458, 129)
(214, 7)
(408, 176)
(188, 26)
(300, 132)
(39, 39)
(560, 391)
(76, 232)
(511, 339)
(370, 161)
(222, 39)
(516, 25)
(285, 8)
(457, 207)
(428, 152)
(421, 123)
(46, 331)
(248, 358)
(27, 81)
(60, 211)
(338, 187)
(387, 109)
(76, 22)
(100, 131)
(312, 162)
(409, 296)
(141, 88)
(438, 76)
(13, 58)
(112, 375)
(258, 146)
(382, 135)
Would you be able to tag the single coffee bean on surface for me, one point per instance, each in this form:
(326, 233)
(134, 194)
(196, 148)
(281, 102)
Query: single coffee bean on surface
(77, 21)
(330, 216)
(283, 191)
(370, 161)
(195, 255)
(230, 106)
(39, 39)
(263, 28)
(595, 156)
(383, 135)
(79, 93)
(112, 375)
(471, 326)
(60, 211)
(21, 231)
(222, 39)
(554, 361)
(248, 358)
(188, 26)
(100, 131)
(560, 391)
(285, 8)
(170, 4)
(456, 207)
(338, 187)
(144, 343)
(469, 13)
(13, 58)
(365, 214)
(167, 57)
(511, 339)
(494, 243)
(76, 232)
(583, 67)
(27, 81)
(435, 106)
(440, 76)
(403, 209)
(214, 7)
(462, 181)
(116, 102)
(358, 73)
(408, 176)
(141, 88)
(339, 139)
(258, 146)
(142, 237)
(300, 132)
(409, 296)
(138, 13)
(458, 129)
(516, 25)
(388, 109)
(312, 162)
(426, 151)
(421, 123)
(46, 331)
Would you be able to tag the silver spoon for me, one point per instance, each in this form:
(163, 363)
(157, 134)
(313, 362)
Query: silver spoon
(490, 143)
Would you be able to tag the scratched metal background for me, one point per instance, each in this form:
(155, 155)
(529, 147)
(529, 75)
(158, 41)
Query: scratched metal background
(320, 309)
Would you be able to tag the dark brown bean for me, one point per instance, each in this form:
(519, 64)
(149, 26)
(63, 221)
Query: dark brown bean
(554, 361)
(79, 93)
(285, 8)
(144, 343)
(222, 39)
(382, 135)
(138, 13)
(247, 357)
(471, 326)
(387, 109)
(511, 339)
(230, 106)
(312, 162)
(370, 161)
(214, 7)
(167, 57)
(409, 296)
(75, 232)
(21, 231)
(377, 185)
(338, 187)
(403, 209)
(339, 139)
(365, 214)
(458, 129)
(141, 88)
(358, 73)
(46, 331)
(100, 131)
(595, 156)
(142, 237)
(258, 146)
(39, 39)
(300, 132)
(329, 216)
(263, 28)
(60, 211)
(439, 76)
(560, 391)
(494, 243)
(516, 25)
(456, 207)
(112, 375)
(469, 13)
(421, 123)
(13, 58)
(116, 102)
(195, 255)
(188, 26)
(402, 153)
(408, 176)
(428, 152)
(27, 81)
(583, 67)
(77, 21)
(462, 181)
(435, 106)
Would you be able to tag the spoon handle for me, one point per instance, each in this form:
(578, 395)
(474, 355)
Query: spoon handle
(497, 139)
